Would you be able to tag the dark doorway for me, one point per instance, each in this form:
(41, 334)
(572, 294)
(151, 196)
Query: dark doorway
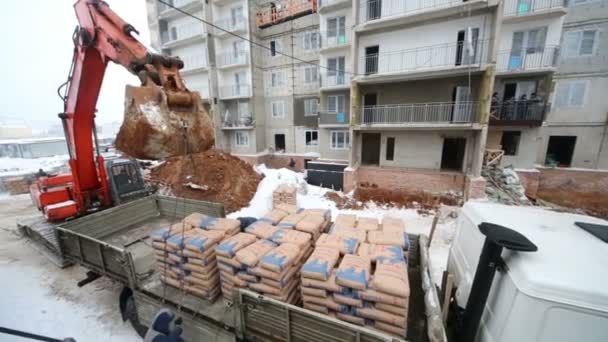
(452, 155)
(279, 142)
(370, 149)
(510, 91)
(560, 151)
(371, 59)
(369, 100)
(460, 47)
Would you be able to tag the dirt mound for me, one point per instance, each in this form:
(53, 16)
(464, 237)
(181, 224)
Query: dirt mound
(343, 202)
(397, 198)
(211, 176)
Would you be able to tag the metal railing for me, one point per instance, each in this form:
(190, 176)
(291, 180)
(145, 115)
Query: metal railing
(235, 90)
(232, 58)
(426, 57)
(194, 61)
(323, 3)
(376, 9)
(283, 10)
(334, 39)
(333, 118)
(521, 110)
(238, 121)
(175, 3)
(184, 31)
(231, 24)
(523, 7)
(334, 79)
(416, 113)
(527, 58)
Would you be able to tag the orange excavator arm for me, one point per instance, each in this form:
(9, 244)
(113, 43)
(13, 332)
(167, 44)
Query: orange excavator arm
(103, 36)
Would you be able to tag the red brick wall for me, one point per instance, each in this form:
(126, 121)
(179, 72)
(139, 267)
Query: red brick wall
(409, 180)
(530, 180)
(475, 188)
(277, 161)
(575, 179)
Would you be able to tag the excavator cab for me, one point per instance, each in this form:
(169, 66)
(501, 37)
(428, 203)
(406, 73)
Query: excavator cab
(126, 181)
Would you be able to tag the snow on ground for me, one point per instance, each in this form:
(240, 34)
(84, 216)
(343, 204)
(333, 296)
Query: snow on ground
(38, 297)
(310, 196)
(23, 166)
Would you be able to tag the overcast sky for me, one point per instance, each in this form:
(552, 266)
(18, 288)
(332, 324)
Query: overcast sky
(37, 52)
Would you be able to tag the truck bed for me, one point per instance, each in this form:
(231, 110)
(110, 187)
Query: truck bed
(116, 243)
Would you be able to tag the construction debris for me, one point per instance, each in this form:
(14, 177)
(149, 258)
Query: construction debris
(210, 176)
(152, 130)
(284, 194)
(503, 186)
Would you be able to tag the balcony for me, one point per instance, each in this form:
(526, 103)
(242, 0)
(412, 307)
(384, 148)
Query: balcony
(420, 114)
(194, 63)
(284, 10)
(527, 60)
(519, 113)
(230, 24)
(327, 5)
(189, 6)
(238, 122)
(333, 119)
(334, 41)
(379, 12)
(235, 91)
(232, 59)
(335, 80)
(182, 33)
(442, 58)
(513, 9)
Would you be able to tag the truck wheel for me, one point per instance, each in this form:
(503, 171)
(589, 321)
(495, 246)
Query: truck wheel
(129, 312)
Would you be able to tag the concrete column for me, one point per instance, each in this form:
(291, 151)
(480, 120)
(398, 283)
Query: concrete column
(484, 98)
(355, 120)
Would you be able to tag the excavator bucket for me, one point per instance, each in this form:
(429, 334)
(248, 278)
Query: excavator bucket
(162, 123)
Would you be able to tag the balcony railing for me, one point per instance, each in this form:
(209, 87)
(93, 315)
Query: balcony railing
(419, 113)
(232, 58)
(333, 118)
(231, 24)
(527, 59)
(426, 57)
(181, 32)
(175, 3)
(335, 79)
(324, 3)
(377, 9)
(334, 40)
(519, 112)
(284, 10)
(192, 62)
(523, 7)
(235, 90)
(238, 121)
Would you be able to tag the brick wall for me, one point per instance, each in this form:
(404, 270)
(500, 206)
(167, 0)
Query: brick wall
(474, 188)
(277, 161)
(405, 180)
(529, 179)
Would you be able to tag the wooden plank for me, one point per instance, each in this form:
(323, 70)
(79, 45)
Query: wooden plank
(447, 294)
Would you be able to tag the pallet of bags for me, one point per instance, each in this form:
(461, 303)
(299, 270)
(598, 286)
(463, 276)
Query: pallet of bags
(284, 194)
(381, 252)
(392, 233)
(198, 250)
(386, 300)
(345, 245)
(228, 264)
(318, 279)
(317, 294)
(167, 250)
(261, 229)
(345, 221)
(368, 224)
(230, 227)
(353, 274)
(274, 216)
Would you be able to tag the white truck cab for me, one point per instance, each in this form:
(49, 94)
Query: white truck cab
(557, 293)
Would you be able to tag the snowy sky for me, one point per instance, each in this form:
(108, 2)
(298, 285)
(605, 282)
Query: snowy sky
(37, 52)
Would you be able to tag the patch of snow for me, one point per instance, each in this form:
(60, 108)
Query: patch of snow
(24, 166)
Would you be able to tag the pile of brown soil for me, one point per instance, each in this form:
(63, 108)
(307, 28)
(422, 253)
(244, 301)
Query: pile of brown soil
(343, 202)
(211, 176)
(403, 199)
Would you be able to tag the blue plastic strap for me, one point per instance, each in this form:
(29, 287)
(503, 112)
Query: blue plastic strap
(207, 221)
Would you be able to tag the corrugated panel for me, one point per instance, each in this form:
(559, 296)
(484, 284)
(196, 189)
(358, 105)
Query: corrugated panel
(181, 207)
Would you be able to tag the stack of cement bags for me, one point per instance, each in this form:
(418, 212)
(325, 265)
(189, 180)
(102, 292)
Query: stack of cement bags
(185, 253)
(284, 194)
(229, 265)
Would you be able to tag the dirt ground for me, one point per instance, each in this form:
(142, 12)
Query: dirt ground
(401, 199)
(40, 298)
(210, 176)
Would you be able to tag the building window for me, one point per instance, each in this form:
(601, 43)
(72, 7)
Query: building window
(275, 48)
(510, 142)
(278, 109)
(242, 138)
(390, 148)
(311, 40)
(336, 104)
(312, 138)
(579, 43)
(278, 79)
(340, 140)
(311, 74)
(570, 93)
(560, 151)
(310, 107)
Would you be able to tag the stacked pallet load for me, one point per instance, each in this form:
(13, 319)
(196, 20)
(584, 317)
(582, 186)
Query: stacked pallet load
(185, 253)
(284, 194)
(228, 264)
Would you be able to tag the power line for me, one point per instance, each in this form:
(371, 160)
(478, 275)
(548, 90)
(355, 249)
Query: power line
(251, 41)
